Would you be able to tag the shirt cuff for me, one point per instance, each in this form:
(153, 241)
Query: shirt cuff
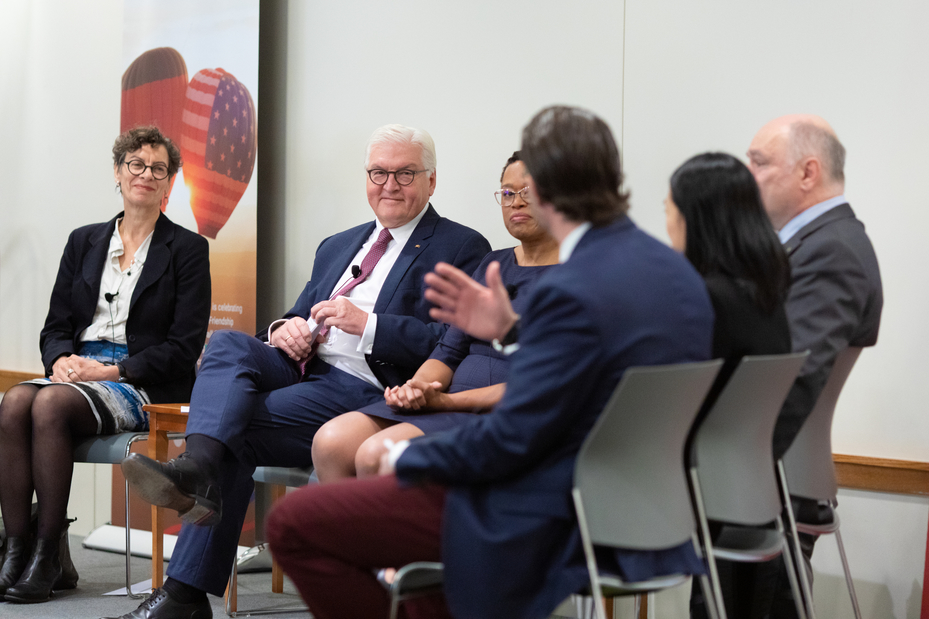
(366, 343)
(394, 451)
(274, 325)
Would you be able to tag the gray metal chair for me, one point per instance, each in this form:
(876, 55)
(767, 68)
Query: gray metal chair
(414, 580)
(732, 468)
(630, 489)
(277, 479)
(808, 471)
(113, 450)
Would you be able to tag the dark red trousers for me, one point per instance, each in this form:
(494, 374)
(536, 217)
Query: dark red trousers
(331, 538)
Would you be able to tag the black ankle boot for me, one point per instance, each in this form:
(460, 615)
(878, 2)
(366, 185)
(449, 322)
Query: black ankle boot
(14, 563)
(68, 578)
(43, 571)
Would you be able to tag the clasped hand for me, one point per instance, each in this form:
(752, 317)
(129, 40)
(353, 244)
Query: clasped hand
(82, 370)
(415, 395)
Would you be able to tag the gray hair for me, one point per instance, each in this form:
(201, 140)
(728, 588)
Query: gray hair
(399, 134)
(808, 139)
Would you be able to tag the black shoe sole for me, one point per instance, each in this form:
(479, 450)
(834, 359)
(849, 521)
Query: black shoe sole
(21, 600)
(154, 486)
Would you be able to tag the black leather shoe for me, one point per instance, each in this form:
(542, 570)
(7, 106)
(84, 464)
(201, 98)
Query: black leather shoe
(159, 605)
(180, 484)
(43, 571)
(14, 563)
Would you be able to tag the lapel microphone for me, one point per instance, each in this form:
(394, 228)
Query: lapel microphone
(109, 296)
(356, 271)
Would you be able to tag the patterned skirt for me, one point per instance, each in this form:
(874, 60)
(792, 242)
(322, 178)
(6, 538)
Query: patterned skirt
(117, 406)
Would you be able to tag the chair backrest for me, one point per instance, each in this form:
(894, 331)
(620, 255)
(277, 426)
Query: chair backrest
(808, 462)
(732, 449)
(629, 471)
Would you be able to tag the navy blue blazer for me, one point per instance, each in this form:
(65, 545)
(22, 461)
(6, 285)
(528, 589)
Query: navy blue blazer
(511, 545)
(835, 301)
(406, 335)
(168, 314)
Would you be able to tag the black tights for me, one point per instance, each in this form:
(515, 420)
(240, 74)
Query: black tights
(37, 432)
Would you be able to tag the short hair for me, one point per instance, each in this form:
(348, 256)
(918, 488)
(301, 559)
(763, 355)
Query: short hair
(399, 134)
(513, 159)
(727, 230)
(137, 137)
(575, 164)
(808, 139)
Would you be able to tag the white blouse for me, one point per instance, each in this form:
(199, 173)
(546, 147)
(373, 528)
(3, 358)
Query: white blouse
(111, 315)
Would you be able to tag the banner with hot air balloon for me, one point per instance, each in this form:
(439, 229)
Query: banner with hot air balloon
(192, 69)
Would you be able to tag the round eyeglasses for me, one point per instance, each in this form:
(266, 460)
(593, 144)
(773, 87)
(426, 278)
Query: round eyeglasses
(137, 167)
(505, 197)
(403, 177)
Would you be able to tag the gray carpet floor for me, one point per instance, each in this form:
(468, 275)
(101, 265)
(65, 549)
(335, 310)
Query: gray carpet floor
(102, 572)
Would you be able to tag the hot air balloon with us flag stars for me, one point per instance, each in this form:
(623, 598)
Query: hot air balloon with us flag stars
(218, 140)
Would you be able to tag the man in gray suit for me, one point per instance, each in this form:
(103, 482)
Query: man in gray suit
(835, 296)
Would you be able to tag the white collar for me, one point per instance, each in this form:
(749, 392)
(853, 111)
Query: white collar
(569, 243)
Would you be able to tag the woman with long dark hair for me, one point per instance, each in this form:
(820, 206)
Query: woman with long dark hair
(715, 217)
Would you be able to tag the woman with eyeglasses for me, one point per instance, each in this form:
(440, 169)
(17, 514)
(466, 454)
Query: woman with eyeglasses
(126, 323)
(715, 217)
(463, 377)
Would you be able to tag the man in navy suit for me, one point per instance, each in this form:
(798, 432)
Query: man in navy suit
(835, 297)
(260, 400)
(494, 502)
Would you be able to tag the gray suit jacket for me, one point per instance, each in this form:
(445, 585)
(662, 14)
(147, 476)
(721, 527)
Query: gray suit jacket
(835, 301)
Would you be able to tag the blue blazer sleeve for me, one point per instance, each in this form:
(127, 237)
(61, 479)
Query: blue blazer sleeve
(560, 345)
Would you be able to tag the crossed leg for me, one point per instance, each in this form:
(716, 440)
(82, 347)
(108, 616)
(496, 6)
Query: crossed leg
(331, 539)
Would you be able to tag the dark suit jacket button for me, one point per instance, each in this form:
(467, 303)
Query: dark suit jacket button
(131, 338)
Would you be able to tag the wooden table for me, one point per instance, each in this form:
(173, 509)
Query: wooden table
(162, 418)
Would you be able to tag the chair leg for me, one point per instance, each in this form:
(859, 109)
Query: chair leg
(277, 572)
(848, 574)
(129, 592)
(709, 597)
(712, 596)
(794, 566)
(232, 590)
(796, 553)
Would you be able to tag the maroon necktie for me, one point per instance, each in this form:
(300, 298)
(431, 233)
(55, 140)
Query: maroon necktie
(376, 252)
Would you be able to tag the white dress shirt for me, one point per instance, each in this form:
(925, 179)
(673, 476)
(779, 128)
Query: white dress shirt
(344, 350)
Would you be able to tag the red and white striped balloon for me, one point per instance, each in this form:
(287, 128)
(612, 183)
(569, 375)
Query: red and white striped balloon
(153, 92)
(218, 136)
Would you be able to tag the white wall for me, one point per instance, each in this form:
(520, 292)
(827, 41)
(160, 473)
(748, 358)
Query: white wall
(688, 77)
(470, 73)
(704, 76)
